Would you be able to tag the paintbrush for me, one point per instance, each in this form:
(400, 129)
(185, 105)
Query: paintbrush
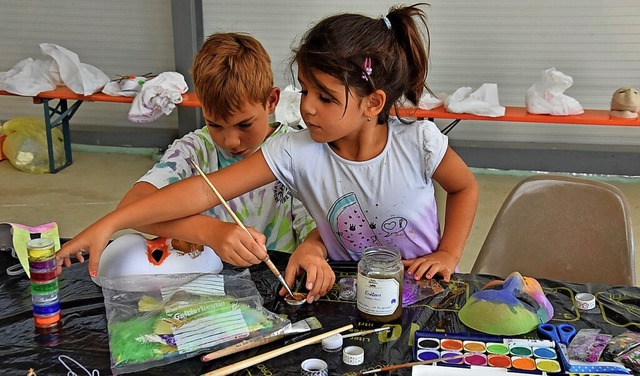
(302, 326)
(267, 261)
(407, 365)
(365, 332)
(274, 353)
(349, 335)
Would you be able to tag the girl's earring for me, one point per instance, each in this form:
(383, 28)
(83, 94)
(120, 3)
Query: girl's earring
(368, 119)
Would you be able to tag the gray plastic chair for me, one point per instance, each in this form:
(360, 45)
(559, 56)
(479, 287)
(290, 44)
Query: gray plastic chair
(563, 228)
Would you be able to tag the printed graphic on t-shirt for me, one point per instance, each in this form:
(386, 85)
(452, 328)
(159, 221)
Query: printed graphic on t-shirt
(350, 225)
(393, 225)
(280, 193)
(355, 232)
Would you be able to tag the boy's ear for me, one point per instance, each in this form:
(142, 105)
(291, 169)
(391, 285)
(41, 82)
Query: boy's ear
(374, 103)
(273, 99)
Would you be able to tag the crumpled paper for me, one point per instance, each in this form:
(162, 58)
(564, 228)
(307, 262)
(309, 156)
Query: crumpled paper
(429, 101)
(482, 102)
(158, 96)
(30, 77)
(288, 108)
(547, 96)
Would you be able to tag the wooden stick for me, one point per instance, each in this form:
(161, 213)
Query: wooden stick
(407, 365)
(215, 191)
(274, 353)
(365, 332)
(241, 346)
(362, 333)
(267, 261)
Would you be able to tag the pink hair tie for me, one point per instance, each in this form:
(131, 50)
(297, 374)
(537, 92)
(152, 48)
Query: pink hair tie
(367, 70)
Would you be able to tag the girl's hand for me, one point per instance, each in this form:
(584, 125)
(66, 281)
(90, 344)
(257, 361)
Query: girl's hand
(440, 262)
(310, 256)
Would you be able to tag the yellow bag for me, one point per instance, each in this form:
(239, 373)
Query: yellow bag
(26, 145)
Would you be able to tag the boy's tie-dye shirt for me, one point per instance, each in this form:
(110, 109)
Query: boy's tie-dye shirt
(270, 209)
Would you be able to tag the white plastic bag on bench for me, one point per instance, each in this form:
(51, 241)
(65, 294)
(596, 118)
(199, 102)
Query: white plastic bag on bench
(288, 108)
(81, 78)
(547, 96)
(482, 102)
(30, 77)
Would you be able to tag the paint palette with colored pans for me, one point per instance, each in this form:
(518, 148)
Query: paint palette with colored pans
(472, 351)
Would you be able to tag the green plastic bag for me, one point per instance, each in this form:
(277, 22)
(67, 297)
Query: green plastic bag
(26, 145)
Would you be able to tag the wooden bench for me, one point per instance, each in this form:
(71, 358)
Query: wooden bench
(59, 114)
(520, 115)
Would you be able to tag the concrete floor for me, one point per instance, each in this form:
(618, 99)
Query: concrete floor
(93, 185)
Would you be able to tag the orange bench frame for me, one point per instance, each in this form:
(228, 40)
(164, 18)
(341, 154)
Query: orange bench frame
(65, 112)
(60, 114)
(520, 115)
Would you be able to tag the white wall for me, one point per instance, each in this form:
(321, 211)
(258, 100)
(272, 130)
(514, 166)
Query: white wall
(116, 36)
(508, 42)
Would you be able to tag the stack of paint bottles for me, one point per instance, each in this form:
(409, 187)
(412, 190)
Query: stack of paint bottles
(44, 283)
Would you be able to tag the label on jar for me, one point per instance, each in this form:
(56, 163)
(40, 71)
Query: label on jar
(378, 296)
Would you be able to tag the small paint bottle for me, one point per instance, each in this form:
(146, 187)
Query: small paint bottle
(379, 284)
(44, 282)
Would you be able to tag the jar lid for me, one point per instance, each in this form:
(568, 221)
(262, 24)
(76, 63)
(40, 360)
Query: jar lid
(40, 243)
(333, 343)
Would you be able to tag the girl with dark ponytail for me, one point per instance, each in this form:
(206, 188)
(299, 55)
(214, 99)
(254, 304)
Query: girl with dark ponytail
(367, 177)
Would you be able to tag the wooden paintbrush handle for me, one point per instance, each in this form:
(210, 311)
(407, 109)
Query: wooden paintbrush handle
(412, 364)
(274, 353)
(362, 333)
(276, 272)
(240, 346)
(271, 266)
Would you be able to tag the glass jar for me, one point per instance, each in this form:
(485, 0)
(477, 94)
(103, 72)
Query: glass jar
(379, 287)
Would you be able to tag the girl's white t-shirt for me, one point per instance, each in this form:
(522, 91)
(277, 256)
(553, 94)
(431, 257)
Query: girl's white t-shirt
(386, 201)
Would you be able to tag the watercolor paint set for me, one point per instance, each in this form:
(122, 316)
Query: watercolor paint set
(462, 350)
(482, 354)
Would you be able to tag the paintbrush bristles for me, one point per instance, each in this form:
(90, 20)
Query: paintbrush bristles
(313, 323)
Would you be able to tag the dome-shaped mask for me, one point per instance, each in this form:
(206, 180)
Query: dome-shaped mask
(134, 255)
(514, 306)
